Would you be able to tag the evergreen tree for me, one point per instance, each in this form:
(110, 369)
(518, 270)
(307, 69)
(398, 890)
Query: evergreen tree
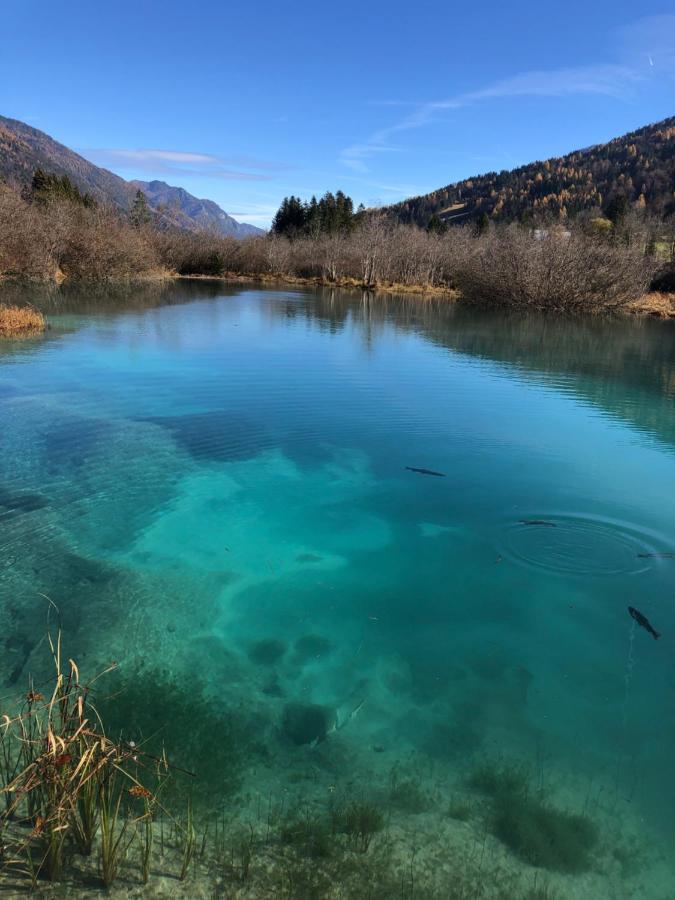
(331, 214)
(436, 225)
(483, 223)
(616, 209)
(47, 187)
(140, 211)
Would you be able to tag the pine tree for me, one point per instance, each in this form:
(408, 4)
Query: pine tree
(436, 225)
(47, 188)
(140, 211)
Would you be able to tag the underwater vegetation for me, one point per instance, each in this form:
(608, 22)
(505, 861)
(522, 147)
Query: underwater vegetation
(69, 789)
(406, 794)
(359, 821)
(497, 780)
(154, 711)
(459, 810)
(544, 836)
(310, 835)
(534, 830)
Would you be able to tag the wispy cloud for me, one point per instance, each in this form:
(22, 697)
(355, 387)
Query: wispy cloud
(255, 213)
(184, 163)
(606, 80)
(648, 46)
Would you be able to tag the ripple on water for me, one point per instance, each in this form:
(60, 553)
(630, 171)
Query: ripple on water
(571, 544)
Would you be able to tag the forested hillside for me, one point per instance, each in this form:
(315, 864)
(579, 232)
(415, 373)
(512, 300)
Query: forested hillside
(636, 169)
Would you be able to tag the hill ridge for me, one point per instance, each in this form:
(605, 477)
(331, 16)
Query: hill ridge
(640, 165)
(23, 149)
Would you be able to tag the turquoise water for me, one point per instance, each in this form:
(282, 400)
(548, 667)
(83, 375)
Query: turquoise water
(211, 484)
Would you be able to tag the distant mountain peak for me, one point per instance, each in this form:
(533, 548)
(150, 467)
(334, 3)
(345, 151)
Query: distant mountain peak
(206, 213)
(23, 149)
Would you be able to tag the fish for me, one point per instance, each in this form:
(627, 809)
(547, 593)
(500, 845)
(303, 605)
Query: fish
(668, 554)
(538, 522)
(425, 472)
(643, 622)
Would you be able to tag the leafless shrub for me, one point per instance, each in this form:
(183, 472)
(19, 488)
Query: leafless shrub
(559, 271)
(581, 269)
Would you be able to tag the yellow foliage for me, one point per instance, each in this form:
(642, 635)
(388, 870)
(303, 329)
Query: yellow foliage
(16, 321)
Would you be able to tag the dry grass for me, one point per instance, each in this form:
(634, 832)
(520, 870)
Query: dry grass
(659, 305)
(19, 321)
(66, 788)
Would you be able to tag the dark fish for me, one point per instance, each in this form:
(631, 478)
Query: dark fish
(669, 554)
(643, 622)
(425, 472)
(538, 522)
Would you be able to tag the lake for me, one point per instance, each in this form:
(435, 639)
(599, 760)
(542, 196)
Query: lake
(216, 486)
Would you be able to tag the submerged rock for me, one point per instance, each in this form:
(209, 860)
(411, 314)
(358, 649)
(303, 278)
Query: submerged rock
(306, 723)
(267, 652)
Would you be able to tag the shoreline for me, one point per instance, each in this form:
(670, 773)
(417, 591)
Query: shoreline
(654, 304)
(347, 283)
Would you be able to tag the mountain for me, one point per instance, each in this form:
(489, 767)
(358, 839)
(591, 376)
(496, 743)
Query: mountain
(639, 167)
(24, 149)
(205, 213)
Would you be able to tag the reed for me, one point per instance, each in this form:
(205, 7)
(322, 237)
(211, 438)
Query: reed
(146, 838)
(113, 832)
(68, 787)
(188, 841)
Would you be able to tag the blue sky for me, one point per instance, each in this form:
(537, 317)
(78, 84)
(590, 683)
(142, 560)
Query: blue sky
(245, 103)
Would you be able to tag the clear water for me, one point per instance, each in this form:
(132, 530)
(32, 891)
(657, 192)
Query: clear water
(211, 484)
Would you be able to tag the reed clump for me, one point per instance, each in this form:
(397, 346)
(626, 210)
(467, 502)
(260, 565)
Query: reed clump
(20, 321)
(68, 789)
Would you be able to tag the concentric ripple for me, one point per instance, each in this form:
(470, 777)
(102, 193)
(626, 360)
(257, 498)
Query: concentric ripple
(580, 545)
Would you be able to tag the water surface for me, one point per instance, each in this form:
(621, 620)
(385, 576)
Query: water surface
(212, 485)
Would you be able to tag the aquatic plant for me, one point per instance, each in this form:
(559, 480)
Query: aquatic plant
(146, 840)
(531, 828)
(544, 836)
(310, 835)
(459, 810)
(497, 780)
(408, 796)
(146, 707)
(359, 821)
(188, 840)
(114, 843)
(66, 784)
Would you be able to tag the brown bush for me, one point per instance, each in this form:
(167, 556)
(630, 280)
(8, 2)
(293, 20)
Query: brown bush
(507, 266)
(17, 321)
(98, 245)
(559, 271)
